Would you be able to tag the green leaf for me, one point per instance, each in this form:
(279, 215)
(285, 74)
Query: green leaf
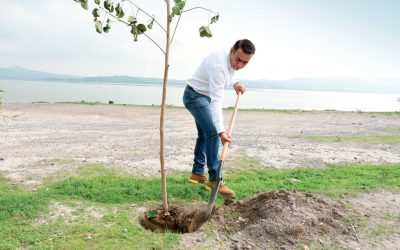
(106, 28)
(84, 4)
(152, 214)
(97, 2)
(96, 13)
(132, 20)
(141, 28)
(150, 25)
(214, 19)
(99, 26)
(176, 11)
(120, 11)
(178, 8)
(205, 31)
(108, 5)
(180, 4)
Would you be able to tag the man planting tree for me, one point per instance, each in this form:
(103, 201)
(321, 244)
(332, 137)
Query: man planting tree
(203, 97)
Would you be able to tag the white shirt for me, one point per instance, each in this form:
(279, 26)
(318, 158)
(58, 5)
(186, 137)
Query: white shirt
(210, 78)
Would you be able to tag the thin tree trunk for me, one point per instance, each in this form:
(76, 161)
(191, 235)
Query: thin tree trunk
(164, 96)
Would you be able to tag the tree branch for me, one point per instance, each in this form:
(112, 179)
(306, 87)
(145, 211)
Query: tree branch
(147, 14)
(176, 26)
(122, 21)
(200, 8)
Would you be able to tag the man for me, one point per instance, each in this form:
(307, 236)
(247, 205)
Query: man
(203, 97)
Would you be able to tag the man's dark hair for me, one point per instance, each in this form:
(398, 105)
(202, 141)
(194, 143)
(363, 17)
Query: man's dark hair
(246, 45)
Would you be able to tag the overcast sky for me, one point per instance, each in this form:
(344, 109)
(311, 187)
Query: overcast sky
(293, 38)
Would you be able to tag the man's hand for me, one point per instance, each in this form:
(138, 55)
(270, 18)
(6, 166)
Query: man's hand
(225, 138)
(239, 88)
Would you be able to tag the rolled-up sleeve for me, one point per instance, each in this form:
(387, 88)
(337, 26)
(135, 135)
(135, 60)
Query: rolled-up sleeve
(217, 80)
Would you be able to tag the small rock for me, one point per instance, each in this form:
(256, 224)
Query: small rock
(1, 159)
(306, 247)
(321, 241)
(89, 237)
(241, 219)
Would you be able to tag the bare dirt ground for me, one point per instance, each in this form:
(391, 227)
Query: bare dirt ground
(46, 139)
(39, 141)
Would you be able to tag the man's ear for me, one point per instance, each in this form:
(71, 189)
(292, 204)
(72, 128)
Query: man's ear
(232, 51)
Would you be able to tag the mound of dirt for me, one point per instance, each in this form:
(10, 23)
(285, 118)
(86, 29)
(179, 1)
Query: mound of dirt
(283, 219)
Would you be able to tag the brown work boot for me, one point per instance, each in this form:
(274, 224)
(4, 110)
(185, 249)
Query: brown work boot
(226, 192)
(198, 178)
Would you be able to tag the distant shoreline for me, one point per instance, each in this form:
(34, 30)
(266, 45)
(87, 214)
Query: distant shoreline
(329, 84)
(283, 111)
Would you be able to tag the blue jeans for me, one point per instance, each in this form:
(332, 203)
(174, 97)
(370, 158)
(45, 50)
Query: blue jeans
(207, 143)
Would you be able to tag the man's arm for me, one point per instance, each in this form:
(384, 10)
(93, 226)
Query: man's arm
(217, 80)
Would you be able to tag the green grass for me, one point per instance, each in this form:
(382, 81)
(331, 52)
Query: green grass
(101, 187)
(116, 231)
(339, 180)
(390, 129)
(16, 202)
(375, 139)
(381, 113)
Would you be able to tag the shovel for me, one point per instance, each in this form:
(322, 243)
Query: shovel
(214, 192)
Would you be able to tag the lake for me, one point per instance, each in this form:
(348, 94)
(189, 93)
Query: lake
(36, 91)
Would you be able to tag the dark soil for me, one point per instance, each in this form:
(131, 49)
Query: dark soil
(282, 219)
(178, 218)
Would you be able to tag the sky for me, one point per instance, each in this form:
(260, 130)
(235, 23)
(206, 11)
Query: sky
(293, 38)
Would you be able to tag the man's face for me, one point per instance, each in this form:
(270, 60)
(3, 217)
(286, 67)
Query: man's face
(239, 59)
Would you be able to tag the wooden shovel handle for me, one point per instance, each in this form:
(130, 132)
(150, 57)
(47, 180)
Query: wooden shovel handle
(230, 128)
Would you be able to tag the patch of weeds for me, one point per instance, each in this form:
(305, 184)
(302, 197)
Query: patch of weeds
(8, 187)
(234, 216)
(95, 169)
(392, 129)
(15, 202)
(381, 113)
(390, 217)
(22, 205)
(382, 229)
(209, 229)
(278, 111)
(373, 139)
